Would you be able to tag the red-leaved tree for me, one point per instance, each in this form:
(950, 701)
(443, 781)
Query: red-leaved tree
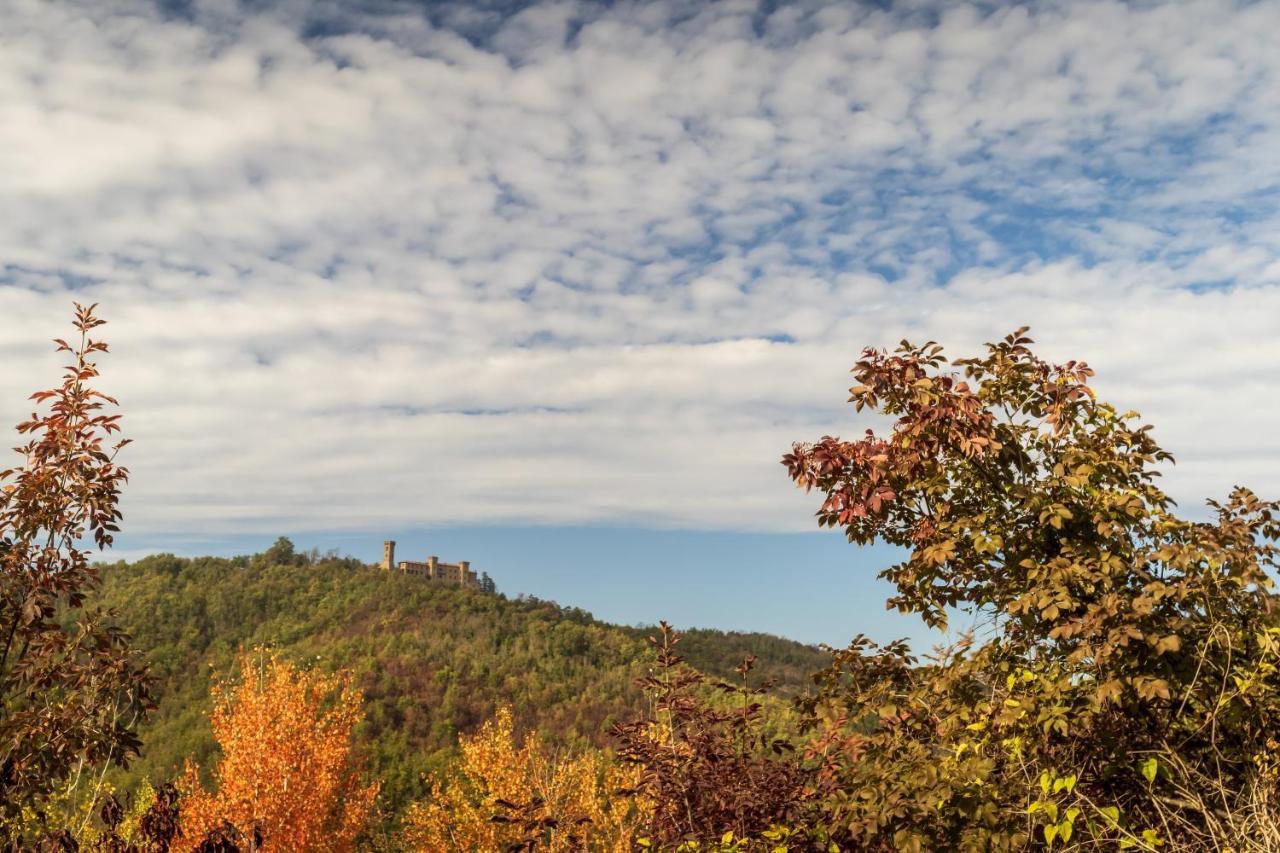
(71, 690)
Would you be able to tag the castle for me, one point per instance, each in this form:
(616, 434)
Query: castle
(453, 574)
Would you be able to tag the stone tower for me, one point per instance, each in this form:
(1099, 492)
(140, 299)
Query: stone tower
(389, 554)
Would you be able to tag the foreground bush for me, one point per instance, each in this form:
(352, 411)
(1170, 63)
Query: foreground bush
(1120, 688)
(504, 796)
(710, 770)
(287, 780)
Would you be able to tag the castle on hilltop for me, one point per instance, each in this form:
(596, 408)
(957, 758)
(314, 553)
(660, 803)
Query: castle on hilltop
(452, 574)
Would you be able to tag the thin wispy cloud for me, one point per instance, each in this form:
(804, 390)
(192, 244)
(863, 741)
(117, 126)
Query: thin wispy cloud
(602, 263)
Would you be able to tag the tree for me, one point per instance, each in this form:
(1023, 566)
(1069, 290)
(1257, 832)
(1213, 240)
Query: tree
(1121, 684)
(287, 772)
(509, 797)
(281, 553)
(71, 689)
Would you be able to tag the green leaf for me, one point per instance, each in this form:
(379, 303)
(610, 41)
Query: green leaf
(1148, 767)
(1065, 828)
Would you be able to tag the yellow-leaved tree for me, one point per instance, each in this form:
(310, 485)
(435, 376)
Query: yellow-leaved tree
(287, 773)
(509, 797)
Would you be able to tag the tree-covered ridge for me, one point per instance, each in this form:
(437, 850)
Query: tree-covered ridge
(432, 661)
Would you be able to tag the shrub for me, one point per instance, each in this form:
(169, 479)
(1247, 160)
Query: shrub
(1120, 686)
(710, 770)
(508, 797)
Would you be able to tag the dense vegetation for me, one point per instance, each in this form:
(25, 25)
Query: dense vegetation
(432, 661)
(1121, 691)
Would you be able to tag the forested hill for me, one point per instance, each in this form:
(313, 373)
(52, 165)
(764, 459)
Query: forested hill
(432, 660)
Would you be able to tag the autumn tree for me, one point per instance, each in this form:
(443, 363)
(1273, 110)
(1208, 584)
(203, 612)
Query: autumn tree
(509, 796)
(1120, 687)
(287, 773)
(71, 690)
(709, 769)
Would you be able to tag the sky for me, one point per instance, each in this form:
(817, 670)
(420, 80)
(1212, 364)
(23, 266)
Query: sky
(553, 286)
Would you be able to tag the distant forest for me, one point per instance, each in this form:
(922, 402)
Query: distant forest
(433, 661)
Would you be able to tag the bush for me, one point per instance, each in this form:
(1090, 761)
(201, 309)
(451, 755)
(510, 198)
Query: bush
(710, 770)
(504, 796)
(1120, 686)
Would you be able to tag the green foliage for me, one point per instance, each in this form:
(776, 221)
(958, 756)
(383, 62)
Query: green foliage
(432, 661)
(1124, 691)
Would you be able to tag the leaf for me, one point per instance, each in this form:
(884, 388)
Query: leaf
(1050, 833)
(1148, 768)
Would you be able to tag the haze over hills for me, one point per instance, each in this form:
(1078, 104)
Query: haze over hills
(433, 660)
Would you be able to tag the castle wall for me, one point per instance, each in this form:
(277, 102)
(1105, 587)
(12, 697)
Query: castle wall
(453, 574)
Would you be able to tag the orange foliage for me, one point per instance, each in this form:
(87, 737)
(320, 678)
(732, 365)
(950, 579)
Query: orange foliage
(286, 762)
(537, 800)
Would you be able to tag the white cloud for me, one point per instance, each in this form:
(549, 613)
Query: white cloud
(588, 263)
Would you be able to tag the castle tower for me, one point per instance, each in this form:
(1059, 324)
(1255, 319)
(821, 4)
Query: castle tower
(389, 554)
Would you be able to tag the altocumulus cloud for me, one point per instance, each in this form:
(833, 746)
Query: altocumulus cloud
(579, 263)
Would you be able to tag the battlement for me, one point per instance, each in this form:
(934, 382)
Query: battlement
(431, 569)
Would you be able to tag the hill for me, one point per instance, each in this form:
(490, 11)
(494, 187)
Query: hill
(433, 661)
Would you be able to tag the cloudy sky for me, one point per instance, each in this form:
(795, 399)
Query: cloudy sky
(567, 273)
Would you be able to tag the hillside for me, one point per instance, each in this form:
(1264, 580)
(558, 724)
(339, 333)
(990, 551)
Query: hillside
(433, 661)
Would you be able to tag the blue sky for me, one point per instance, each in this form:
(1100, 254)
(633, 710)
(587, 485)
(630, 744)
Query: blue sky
(570, 273)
